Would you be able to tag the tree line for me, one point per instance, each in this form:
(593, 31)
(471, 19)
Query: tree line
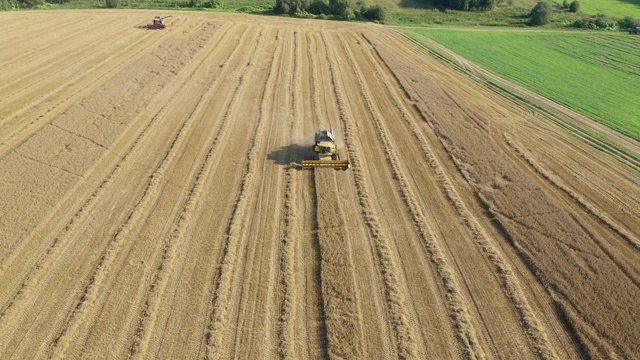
(341, 9)
(466, 5)
(16, 4)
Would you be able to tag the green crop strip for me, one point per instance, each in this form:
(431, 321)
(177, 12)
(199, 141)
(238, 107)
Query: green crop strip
(618, 8)
(595, 74)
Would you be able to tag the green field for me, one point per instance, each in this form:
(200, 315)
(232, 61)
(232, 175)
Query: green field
(499, 17)
(596, 74)
(613, 8)
(617, 8)
(508, 13)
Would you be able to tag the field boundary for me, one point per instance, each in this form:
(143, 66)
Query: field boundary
(623, 148)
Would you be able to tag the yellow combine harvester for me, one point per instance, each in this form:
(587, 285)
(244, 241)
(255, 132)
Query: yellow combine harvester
(328, 155)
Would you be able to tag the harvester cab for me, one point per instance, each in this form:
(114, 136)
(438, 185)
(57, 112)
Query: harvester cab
(328, 156)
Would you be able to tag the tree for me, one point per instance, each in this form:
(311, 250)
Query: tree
(291, 7)
(628, 23)
(574, 6)
(484, 4)
(8, 4)
(282, 7)
(111, 3)
(540, 14)
(376, 12)
(319, 7)
(343, 8)
(30, 3)
(601, 22)
(466, 5)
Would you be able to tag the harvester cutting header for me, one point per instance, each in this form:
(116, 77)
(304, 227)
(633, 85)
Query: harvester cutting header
(328, 156)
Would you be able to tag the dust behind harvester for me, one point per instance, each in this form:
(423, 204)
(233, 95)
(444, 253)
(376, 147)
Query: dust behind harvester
(328, 155)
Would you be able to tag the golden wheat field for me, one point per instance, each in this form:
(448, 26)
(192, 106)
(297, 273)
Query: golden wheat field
(152, 206)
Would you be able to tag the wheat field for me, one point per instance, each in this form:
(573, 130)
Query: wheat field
(152, 205)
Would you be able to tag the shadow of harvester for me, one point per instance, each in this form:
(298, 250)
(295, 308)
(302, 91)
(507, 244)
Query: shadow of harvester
(292, 155)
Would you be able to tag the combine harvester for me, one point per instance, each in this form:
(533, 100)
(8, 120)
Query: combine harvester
(328, 156)
(158, 23)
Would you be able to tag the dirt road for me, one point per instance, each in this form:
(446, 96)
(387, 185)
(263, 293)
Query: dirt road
(151, 206)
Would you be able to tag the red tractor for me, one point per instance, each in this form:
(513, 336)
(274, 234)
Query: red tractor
(158, 23)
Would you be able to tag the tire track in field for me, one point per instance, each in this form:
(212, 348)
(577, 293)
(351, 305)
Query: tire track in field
(585, 331)
(339, 289)
(343, 329)
(41, 52)
(59, 244)
(7, 263)
(10, 142)
(404, 333)
(257, 315)
(290, 236)
(216, 156)
(456, 303)
(17, 93)
(110, 111)
(13, 258)
(321, 315)
(535, 234)
(16, 44)
(152, 41)
(584, 204)
(234, 247)
(61, 62)
(156, 290)
(613, 192)
(322, 345)
(169, 252)
(586, 171)
(21, 37)
(534, 328)
(135, 219)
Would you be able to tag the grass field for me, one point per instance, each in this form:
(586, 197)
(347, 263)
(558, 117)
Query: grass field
(415, 16)
(595, 74)
(508, 13)
(618, 8)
